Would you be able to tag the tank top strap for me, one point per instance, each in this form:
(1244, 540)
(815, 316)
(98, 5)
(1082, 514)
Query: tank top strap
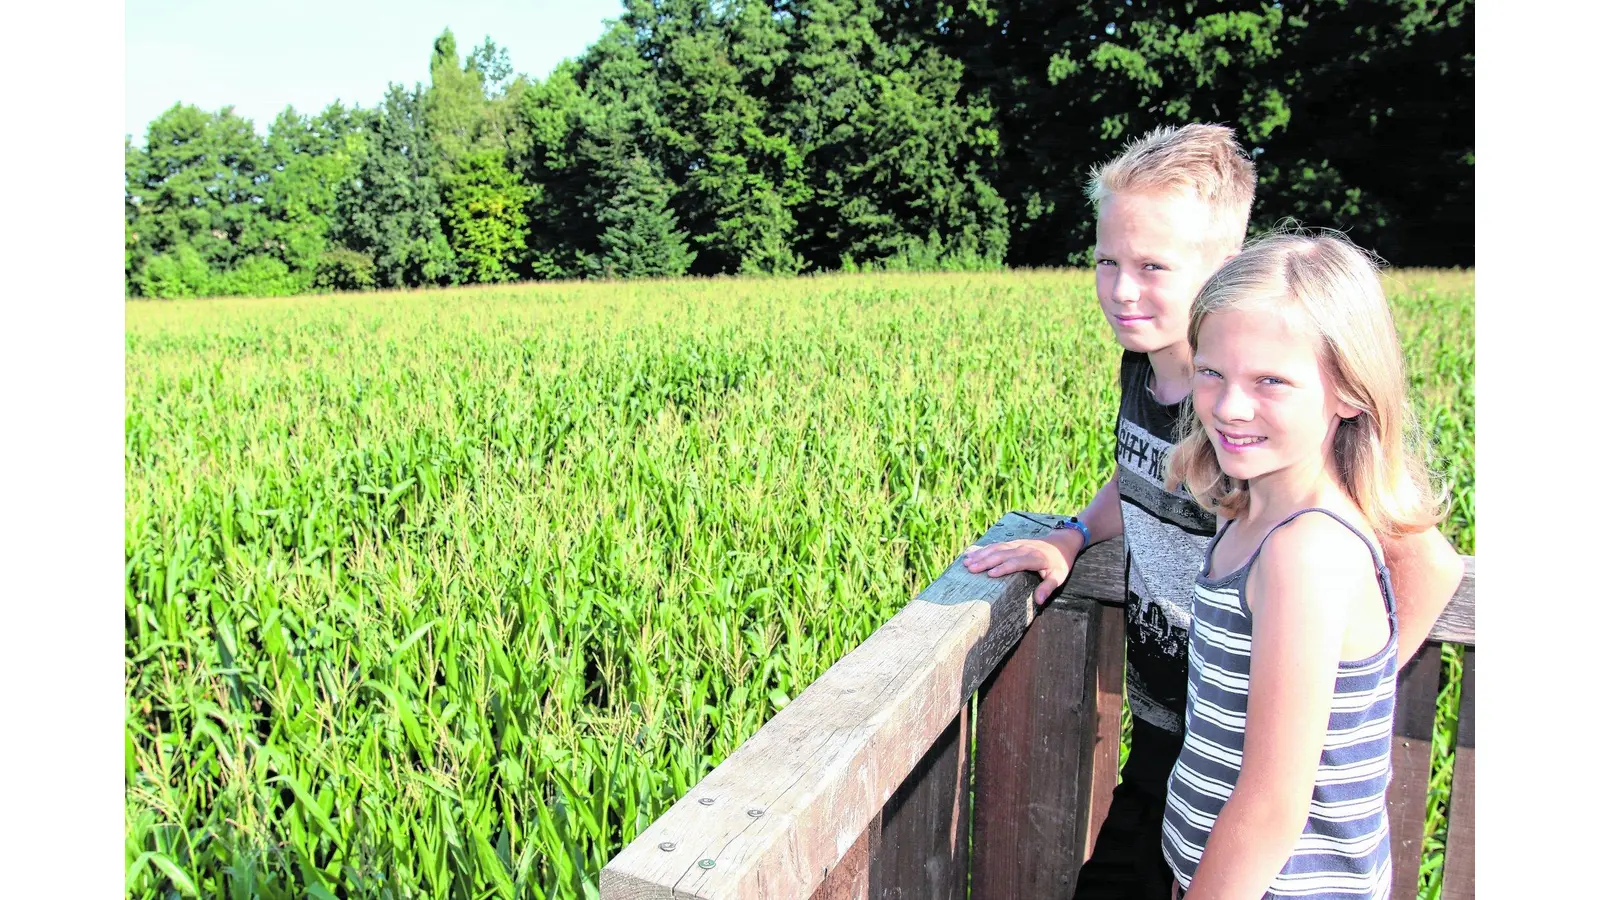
(1385, 586)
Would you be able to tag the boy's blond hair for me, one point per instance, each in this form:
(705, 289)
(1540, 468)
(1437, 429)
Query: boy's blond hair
(1203, 159)
(1327, 286)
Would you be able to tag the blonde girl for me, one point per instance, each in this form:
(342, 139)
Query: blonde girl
(1299, 437)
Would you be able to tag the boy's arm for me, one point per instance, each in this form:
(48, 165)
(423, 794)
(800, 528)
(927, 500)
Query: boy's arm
(1103, 515)
(1426, 571)
(1053, 555)
(1300, 594)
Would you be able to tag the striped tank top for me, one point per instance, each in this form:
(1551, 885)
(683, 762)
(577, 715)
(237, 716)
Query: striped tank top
(1344, 850)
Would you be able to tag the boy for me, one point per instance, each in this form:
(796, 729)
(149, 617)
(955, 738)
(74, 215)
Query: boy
(1169, 212)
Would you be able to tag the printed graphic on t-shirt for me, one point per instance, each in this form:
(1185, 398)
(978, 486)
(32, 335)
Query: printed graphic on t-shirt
(1166, 534)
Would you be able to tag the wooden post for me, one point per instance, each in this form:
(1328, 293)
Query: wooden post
(1036, 742)
(925, 823)
(1459, 855)
(1416, 696)
(857, 874)
(1110, 657)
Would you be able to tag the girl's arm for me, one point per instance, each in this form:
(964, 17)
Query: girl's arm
(1299, 592)
(1426, 571)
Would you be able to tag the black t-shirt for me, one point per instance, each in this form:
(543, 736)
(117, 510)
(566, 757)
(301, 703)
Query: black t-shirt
(1166, 533)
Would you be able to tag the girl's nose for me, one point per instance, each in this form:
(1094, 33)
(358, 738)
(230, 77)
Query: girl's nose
(1232, 405)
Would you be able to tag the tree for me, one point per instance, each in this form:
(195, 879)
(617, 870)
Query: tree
(452, 106)
(551, 114)
(196, 183)
(641, 237)
(312, 159)
(893, 145)
(1358, 114)
(394, 205)
(485, 217)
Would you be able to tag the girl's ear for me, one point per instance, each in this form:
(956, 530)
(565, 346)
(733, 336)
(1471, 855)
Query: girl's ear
(1347, 412)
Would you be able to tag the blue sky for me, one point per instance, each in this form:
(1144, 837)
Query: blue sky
(263, 57)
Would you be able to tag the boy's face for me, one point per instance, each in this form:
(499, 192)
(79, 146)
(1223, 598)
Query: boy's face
(1150, 262)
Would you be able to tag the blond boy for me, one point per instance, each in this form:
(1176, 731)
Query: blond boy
(1169, 212)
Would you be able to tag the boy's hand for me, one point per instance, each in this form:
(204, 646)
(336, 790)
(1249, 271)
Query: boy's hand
(1048, 558)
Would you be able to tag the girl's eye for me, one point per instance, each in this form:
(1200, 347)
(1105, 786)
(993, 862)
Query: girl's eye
(1273, 381)
(1209, 373)
(1104, 262)
(1155, 267)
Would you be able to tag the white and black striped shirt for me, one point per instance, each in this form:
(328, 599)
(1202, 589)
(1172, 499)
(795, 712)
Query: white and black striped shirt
(1344, 850)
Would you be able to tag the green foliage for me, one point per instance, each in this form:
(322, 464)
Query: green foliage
(311, 158)
(179, 272)
(261, 275)
(798, 134)
(551, 113)
(641, 237)
(343, 269)
(393, 206)
(453, 597)
(196, 183)
(1358, 114)
(485, 217)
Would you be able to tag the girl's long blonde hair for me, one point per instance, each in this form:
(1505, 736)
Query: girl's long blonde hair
(1331, 288)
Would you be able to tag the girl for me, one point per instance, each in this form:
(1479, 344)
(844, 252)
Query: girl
(1297, 437)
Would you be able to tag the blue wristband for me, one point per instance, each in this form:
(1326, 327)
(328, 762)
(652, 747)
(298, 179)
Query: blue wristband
(1073, 523)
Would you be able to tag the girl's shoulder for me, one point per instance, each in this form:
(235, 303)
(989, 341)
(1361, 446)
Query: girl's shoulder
(1319, 556)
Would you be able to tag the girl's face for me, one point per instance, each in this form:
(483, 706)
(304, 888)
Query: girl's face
(1262, 395)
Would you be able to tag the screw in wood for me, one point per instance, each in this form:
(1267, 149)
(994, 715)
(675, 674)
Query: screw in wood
(756, 813)
(706, 801)
(706, 863)
(667, 846)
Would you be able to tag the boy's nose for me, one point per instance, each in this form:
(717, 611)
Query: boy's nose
(1124, 290)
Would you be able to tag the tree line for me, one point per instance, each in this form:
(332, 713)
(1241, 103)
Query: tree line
(784, 136)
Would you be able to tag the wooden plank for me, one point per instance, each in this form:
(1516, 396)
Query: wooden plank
(1415, 699)
(823, 767)
(1458, 622)
(1110, 658)
(925, 823)
(1459, 853)
(1098, 576)
(856, 877)
(1036, 741)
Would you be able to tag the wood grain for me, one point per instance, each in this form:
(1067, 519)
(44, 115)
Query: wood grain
(1036, 742)
(1459, 852)
(822, 769)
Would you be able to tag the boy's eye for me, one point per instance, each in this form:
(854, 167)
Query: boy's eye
(1209, 373)
(1104, 262)
(1155, 267)
(1272, 380)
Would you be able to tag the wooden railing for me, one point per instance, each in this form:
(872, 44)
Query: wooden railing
(867, 784)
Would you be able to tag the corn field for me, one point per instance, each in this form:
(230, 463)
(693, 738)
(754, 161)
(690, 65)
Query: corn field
(449, 594)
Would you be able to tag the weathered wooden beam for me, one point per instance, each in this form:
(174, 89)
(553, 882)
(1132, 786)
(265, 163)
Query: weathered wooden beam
(784, 808)
(925, 824)
(858, 873)
(1037, 732)
(1098, 575)
(1415, 697)
(1458, 622)
(1111, 657)
(1459, 853)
